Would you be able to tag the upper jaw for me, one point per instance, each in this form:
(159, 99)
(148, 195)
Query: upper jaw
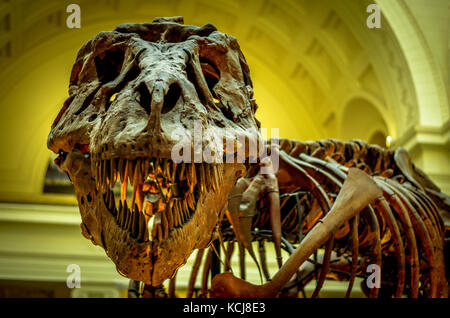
(161, 192)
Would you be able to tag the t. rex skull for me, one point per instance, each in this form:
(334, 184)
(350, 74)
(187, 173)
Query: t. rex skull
(130, 90)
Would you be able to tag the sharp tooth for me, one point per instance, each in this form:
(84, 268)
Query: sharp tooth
(130, 220)
(108, 172)
(122, 169)
(190, 200)
(182, 171)
(135, 222)
(124, 214)
(150, 227)
(175, 218)
(162, 190)
(112, 202)
(123, 187)
(185, 211)
(164, 225)
(127, 218)
(180, 212)
(156, 225)
(140, 197)
(176, 214)
(173, 214)
(146, 167)
(159, 232)
(105, 198)
(138, 170)
(104, 174)
(136, 179)
(202, 177)
(119, 214)
(113, 207)
(113, 165)
(156, 167)
(220, 173)
(142, 226)
(174, 172)
(166, 168)
(191, 176)
(144, 232)
(97, 174)
(185, 208)
(100, 174)
(169, 214)
(94, 169)
(194, 175)
(208, 182)
(215, 177)
(131, 167)
(175, 189)
(123, 191)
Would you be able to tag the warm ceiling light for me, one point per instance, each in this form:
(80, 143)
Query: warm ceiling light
(113, 97)
(388, 141)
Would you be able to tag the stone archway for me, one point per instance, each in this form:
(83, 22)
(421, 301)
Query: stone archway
(362, 120)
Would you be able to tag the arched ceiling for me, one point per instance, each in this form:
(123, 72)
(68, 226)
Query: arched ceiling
(308, 60)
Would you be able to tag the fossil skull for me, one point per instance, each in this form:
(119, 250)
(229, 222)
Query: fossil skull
(130, 89)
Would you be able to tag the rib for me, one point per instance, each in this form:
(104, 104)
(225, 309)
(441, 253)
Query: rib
(408, 228)
(383, 207)
(355, 248)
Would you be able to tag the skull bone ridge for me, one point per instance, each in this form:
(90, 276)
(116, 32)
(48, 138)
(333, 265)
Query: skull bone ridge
(130, 90)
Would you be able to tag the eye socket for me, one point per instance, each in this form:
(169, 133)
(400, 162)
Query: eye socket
(171, 98)
(84, 148)
(109, 65)
(212, 76)
(61, 157)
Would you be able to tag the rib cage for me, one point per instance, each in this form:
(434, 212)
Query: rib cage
(403, 232)
(406, 223)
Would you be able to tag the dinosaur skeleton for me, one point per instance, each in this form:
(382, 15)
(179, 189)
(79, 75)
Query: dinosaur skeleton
(131, 88)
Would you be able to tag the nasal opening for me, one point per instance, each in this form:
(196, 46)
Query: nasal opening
(145, 98)
(171, 98)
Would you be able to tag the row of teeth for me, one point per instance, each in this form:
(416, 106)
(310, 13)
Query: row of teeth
(163, 194)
